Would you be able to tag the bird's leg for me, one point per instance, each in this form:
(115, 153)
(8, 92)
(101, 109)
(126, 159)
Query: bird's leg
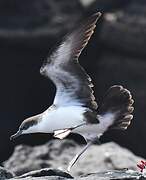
(73, 161)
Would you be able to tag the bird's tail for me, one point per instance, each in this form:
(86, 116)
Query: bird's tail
(116, 108)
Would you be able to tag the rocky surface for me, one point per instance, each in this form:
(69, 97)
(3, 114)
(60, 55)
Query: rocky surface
(56, 154)
(56, 173)
(52, 174)
(114, 175)
(5, 174)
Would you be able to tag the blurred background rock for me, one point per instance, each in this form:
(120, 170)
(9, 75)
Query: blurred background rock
(115, 55)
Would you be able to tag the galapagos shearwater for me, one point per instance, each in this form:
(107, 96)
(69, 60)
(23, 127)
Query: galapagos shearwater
(74, 109)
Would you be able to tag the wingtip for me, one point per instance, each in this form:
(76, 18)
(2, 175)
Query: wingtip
(97, 15)
(94, 18)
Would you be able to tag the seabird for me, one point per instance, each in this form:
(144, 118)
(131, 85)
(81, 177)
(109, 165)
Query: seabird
(74, 109)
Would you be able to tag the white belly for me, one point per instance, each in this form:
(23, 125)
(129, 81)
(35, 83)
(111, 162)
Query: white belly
(61, 118)
(72, 116)
(90, 131)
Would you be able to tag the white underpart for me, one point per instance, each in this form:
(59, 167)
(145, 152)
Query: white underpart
(68, 117)
(93, 130)
(61, 118)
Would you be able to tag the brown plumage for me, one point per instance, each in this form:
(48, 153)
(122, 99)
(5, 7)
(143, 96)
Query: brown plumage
(118, 101)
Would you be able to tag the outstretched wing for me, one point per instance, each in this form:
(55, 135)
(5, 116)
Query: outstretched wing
(73, 85)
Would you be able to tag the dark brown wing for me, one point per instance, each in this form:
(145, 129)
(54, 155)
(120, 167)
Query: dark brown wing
(73, 85)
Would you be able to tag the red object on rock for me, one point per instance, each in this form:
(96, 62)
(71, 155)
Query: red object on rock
(141, 165)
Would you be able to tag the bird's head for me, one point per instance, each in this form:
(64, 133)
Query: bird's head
(28, 126)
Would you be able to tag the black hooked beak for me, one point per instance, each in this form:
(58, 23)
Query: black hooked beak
(16, 135)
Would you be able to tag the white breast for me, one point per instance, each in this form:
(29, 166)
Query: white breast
(61, 118)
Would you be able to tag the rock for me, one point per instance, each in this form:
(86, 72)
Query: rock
(124, 30)
(57, 154)
(52, 174)
(47, 172)
(115, 175)
(54, 154)
(105, 157)
(5, 174)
